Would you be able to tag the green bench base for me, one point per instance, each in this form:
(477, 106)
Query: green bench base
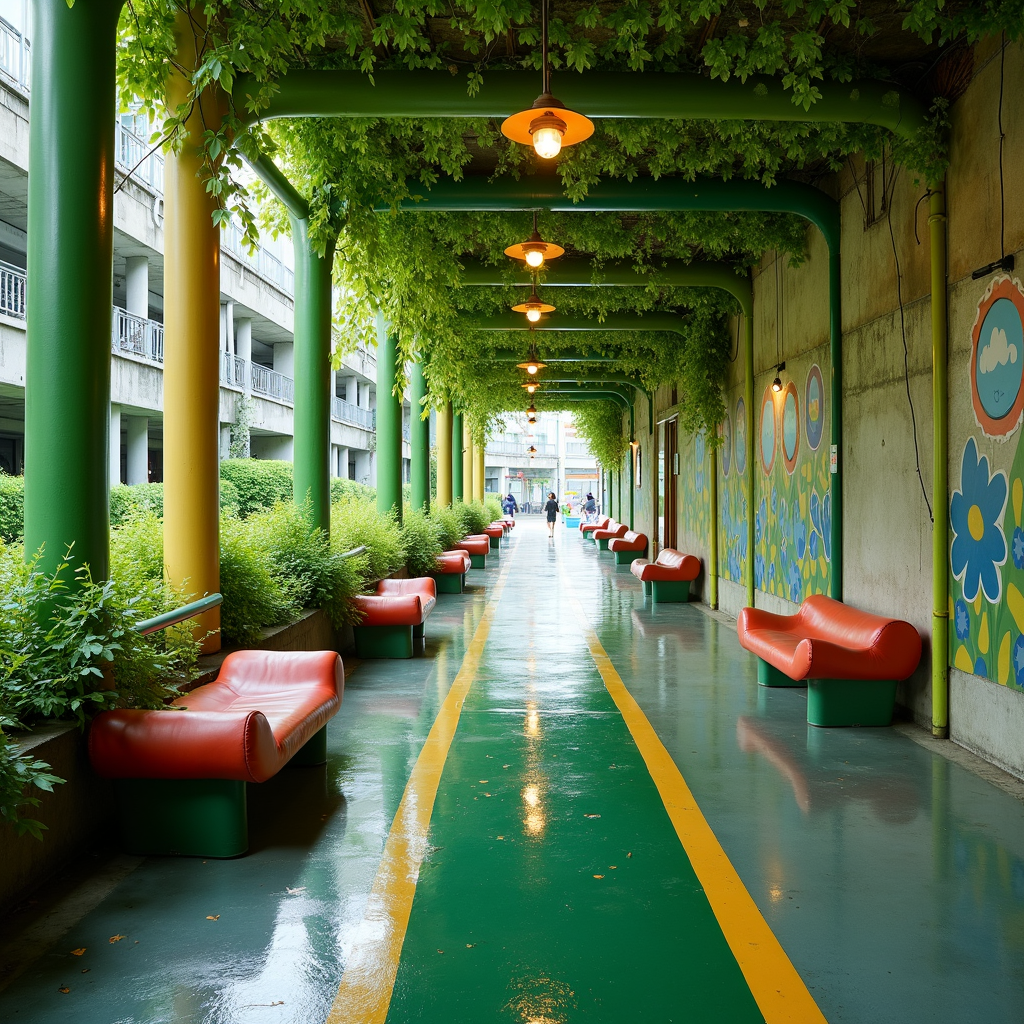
(849, 702)
(383, 641)
(478, 561)
(627, 557)
(193, 817)
(667, 591)
(602, 543)
(769, 675)
(449, 582)
(495, 542)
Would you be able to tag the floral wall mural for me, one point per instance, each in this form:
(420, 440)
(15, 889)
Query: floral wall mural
(793, 517)
(732, 493)
(986, 555)
(694, 496)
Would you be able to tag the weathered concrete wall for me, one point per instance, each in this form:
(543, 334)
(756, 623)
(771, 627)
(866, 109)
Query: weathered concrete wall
(887, 408)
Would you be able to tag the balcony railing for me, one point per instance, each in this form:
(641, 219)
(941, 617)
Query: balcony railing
(271, 384)
(346, 412)
(137, 336)
(518, 449)
(12, 291)
(15, 54)
(261, 261)
(132, 156)
(577, 449)
(232, 370)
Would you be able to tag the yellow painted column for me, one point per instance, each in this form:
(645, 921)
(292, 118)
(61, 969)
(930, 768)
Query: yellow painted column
(478, 470)
(443, 422)
(467, 460)
(191, 352)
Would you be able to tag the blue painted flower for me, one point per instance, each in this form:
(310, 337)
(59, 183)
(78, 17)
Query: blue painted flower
(759, 521)
(814, 545)
(800, 536)
(775, 501)
(1017, 547)
(980, 669)
(759, 570)
(961, 620)
(976, 514)
(699, 452)
(771, 574)
(826, 526)
(1018, 661)
(795, 582)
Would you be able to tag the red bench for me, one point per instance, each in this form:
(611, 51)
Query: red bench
(628, 546)
(588, 528)
(850, 659)
(393, 617)
(494, 533)
(450, 575)
(477, 546)
(180, 773)
(609, 532)
(668, 577)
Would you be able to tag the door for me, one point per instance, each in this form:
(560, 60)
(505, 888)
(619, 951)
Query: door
(659, 519)
(671, 474)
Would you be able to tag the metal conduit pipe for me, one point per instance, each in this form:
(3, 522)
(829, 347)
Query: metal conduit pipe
(597, 94)
(940, 465)
(668, 322)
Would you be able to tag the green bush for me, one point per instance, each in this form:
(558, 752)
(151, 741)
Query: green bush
(260, 483)
(420, 540)
(472, 517)
(342, 488)
(447, 526)
(492, 506)
(12, 507)
(126, 500)
(230, 498)
(255, 596)
(318, 577)
(355, 522)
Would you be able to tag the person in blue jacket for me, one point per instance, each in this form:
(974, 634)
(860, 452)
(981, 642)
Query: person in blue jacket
(508, 505)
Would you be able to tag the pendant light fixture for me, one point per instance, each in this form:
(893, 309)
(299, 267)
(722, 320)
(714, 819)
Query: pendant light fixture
(531, 413)
(531, 387)
(777, 383)
(532, 451)
(534, 306)
(548, 125)
(534, 251)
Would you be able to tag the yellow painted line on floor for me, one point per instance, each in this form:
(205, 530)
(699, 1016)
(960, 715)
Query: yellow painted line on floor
(369, 978)
(778, 989)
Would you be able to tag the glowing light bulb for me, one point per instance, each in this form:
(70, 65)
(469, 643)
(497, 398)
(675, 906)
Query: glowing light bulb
(532, 368)
(535, 258)
(777, 385)
(530, 388)
(533, 315)
(547, 142)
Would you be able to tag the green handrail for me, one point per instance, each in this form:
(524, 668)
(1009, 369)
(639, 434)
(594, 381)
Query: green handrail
(172, 618)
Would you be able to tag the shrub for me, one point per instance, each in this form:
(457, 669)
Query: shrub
(342, 488)
(492, 506)
(126, 500)
(447, 526)
(12, 507)
(472, 517)
(255, 596)
(19, 772)
(318, 576)
(420, 540)
(230, 498)
(260, 483)
(355, 522)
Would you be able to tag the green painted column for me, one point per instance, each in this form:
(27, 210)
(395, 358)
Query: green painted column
(389, 422)
(70, 272)
(419, 439)
(479, 470)
(444, 455)
(467, 461)
(457, 466)
(836, 352)
(312, 418)
(713, 540)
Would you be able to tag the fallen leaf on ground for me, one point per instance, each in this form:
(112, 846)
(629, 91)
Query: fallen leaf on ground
(629, 855)
(213, 917)
(64, 989)
(293, 892)
(591, 815)
(483, 782)
(440, 951)
(613, 867)
(599, 876)
(487, 794)
(506, 766)
(78, 952)
(116, 938)
(470, 945)
(499, 837)
(86, 970)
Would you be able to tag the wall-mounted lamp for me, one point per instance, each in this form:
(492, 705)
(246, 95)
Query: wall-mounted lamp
(777, 383)
(1005, 264)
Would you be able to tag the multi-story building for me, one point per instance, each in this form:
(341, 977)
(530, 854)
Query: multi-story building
(256, 313)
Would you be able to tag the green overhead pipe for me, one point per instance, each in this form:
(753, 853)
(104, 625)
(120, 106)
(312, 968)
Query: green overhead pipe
(457, 478)
(389, 422)
(667, 322)
(580, 273)
(598, 94)
(940, 465)
(601, 390)
(312, 334)
(70, 262)
(419, 439)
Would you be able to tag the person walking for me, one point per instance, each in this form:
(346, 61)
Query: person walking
(509, 505)
(551, 508)
(590, 508)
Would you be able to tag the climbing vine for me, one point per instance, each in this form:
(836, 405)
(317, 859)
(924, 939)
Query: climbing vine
(600, 425)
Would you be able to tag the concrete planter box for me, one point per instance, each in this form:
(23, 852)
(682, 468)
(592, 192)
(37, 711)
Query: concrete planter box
(78, 814)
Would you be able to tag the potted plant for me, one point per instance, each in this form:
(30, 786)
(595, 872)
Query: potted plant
(571, 519)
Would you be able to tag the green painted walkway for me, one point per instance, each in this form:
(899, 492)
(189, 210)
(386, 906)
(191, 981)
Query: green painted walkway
(893, 879)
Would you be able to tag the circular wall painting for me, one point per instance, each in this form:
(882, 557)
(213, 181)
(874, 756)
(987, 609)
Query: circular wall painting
(740, 438)
(814, 407)
(726, 444)
(997, 359)
(790, 428)
(768, 430)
